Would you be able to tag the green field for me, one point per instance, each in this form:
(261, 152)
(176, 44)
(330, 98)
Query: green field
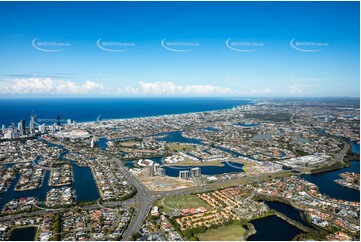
(182, 202)
(229, 232)
(177, 147)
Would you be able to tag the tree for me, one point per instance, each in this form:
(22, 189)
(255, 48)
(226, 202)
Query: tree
(236, 222)
(202, 229)
(153, 217)
(188, 233)
(56, 227)
(214, 226)
(195, 230)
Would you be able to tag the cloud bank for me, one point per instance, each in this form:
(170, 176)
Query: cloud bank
(36, 85)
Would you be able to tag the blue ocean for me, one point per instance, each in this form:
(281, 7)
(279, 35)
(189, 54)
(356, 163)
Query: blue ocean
(89, 109)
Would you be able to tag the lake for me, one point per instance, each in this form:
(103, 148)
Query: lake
(273, 228)
(227, 167)
(23, 234)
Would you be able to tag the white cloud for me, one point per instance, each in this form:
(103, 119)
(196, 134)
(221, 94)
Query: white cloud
(264, 91)
(169, 88)
(127, 90)
(35, 85)
(295, 89)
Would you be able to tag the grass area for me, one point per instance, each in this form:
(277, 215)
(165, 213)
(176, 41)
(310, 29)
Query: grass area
(229, 232)
(247, 180)
(128, 143)
(247, 166)
(183, 202)
(176, 147)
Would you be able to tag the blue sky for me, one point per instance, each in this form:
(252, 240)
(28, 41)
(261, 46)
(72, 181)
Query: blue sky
(54, 48)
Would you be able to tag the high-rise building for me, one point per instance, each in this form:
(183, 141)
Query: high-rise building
(92, 143)
(151, 170)
(184, 174)
(8, 134)
(42, 128)
(11, 133)
(68, 121)
(32, 124)
(156, 168)
(3, 127)
(161, 172)
(195, 172)
(14, 134)
(22, 127)
(58, 120)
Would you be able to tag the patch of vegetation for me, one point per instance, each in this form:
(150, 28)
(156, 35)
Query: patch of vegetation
(178, 147)
(300, 152)
(312, 235)
(228, 232)
(56, 227)
(350, 156)
(274, 117)
(183, 202)
(335, 166)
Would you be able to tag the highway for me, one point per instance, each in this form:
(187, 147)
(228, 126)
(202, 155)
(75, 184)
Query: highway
(144, 198)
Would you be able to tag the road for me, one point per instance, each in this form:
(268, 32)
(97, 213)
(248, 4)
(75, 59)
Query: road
(144, 198)
(343, 152)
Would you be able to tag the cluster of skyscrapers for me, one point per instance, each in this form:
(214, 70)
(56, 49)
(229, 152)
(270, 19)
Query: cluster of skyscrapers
(21, 131)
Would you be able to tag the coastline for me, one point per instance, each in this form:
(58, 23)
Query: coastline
(163, 115)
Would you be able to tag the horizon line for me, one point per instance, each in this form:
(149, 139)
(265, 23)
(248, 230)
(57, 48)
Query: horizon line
(150, 97)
